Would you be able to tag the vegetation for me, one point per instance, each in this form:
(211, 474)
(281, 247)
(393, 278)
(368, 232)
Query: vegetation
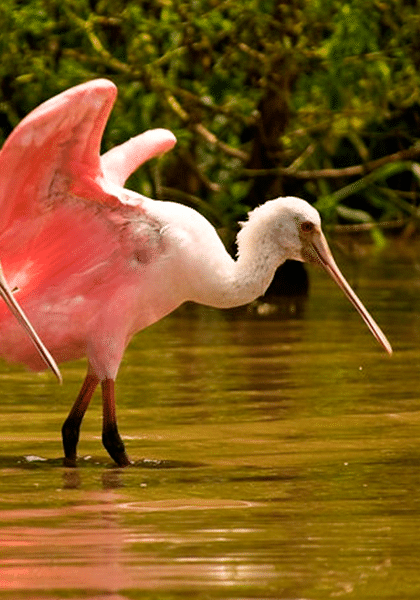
(317, 98)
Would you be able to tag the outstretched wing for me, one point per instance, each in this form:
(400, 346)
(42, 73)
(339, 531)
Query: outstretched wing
(62, 136)
(121, 161)
(57, 146)
(48, 244)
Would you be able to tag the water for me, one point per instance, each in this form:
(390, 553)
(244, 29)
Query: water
(277, 456)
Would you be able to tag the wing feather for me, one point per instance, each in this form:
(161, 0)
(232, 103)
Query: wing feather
(119, 162)
(62, 136)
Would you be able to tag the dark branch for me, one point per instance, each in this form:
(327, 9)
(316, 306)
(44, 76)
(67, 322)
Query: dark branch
(407, 154)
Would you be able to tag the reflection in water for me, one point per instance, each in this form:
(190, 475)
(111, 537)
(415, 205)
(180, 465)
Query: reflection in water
(276, 456)
(95, 550)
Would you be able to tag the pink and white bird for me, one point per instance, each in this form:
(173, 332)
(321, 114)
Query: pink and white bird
(93, 263)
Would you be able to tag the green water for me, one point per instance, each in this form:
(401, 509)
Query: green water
(276, 456)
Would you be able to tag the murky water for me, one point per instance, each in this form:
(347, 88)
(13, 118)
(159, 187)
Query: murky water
(277, 456)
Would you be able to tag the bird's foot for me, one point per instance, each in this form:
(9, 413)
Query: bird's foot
(70, 434)
(115, 447)
(70, 462)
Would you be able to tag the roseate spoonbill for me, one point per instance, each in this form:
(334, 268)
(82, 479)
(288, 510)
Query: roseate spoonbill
(92, 263)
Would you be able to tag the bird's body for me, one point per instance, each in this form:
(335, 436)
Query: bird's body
(92, 263)
(90, 278)
(79, 283)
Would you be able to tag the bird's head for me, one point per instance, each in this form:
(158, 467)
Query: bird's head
(291, 228)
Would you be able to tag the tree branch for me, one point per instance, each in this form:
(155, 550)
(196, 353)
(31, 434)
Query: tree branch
(407, 154)
(203, 131)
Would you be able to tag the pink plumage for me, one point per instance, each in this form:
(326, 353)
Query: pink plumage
(92, 263)
(63, 247)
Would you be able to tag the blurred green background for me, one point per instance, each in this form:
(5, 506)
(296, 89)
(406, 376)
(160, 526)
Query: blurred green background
(315, 98)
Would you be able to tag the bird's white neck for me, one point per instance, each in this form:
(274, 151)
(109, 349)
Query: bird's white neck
(249, 276)
(227, 283)
(206, 273)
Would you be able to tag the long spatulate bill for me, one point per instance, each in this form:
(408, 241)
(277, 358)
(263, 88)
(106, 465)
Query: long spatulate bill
(326, 260)
(18, 313)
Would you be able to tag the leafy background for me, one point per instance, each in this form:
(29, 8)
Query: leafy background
(317, 98)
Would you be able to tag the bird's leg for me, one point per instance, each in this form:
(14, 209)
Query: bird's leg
(110, 437)
(71, 427)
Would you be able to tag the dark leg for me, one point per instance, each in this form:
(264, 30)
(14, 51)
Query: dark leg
(71, 427)
(110, 437)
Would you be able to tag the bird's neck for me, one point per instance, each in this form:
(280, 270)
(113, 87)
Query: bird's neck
(206, 273)
(238, 282)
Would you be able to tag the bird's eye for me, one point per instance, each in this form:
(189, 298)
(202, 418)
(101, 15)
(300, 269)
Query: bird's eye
(307, 227)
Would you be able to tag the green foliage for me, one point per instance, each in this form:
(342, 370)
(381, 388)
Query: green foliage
(265, 97)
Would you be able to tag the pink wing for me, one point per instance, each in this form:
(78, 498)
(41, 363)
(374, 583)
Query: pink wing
(121, 161)
(60, 140)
